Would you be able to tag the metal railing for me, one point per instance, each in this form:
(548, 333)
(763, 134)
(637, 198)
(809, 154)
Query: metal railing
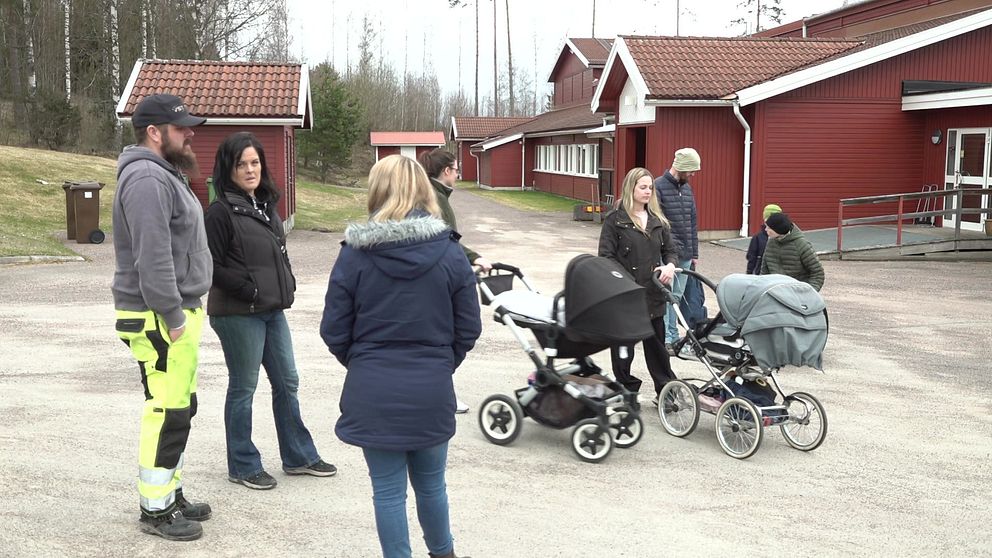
(901, 215)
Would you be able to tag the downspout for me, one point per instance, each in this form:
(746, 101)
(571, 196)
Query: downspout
(523, 161)
(746, 206)
(804, 27)
(478, 168)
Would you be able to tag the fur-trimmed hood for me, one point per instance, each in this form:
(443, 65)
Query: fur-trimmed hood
(406, 248)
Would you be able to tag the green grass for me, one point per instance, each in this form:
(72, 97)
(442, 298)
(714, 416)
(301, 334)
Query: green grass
(31, 212)
(329, 208)
(527, 200)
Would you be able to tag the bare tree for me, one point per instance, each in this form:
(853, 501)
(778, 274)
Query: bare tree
(771, 9)
(509, 58)
(68, 52)
(495, 67)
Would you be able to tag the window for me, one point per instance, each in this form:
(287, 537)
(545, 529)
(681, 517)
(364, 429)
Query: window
(574, 159)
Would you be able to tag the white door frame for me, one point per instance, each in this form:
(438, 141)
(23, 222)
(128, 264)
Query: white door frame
(956, 180)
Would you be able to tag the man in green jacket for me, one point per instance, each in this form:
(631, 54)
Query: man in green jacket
(442, 168)
(789, 253)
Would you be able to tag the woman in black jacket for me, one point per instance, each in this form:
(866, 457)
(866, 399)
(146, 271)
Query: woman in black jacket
(638, 236)
(252, 284)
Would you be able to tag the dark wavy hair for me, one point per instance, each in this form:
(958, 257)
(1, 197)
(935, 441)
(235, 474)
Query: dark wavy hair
(229, 153)
(434, 162)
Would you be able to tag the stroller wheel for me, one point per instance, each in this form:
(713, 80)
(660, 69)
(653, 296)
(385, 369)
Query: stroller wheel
(500, 419)
(626, 429)
(591, 442)
(678, 408)
(738, 427)
(806, 427)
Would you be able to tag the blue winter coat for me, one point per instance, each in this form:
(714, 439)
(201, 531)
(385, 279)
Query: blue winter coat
(679, 206)
(400, 314)
(756, 251)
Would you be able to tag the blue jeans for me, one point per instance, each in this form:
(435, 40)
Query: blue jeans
(678, 289)
(388, 471)
(250, 342)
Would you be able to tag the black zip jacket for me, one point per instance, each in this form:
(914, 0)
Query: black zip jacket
(639, 253)
(252, 272)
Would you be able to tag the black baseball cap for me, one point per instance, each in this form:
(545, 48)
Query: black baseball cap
(163, 109)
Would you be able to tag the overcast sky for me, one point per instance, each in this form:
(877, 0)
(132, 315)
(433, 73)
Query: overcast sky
(329, 30)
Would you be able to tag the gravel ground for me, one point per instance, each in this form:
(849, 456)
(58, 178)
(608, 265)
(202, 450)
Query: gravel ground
(905, 469)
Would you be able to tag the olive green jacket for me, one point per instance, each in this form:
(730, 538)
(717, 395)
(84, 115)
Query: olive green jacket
(793, 255)
(448, 214)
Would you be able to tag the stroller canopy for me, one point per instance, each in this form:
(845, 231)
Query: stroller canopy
(783, 320)
(603, 304)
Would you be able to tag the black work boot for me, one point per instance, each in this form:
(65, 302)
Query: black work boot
(170, 525)
(193, 511)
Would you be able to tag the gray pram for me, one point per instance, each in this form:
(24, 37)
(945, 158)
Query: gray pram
(764, 322)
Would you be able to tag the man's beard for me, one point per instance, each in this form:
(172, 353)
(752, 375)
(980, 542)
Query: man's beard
(180, 156)
(681, 180)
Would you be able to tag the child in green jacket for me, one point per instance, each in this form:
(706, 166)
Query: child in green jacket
(789, 253)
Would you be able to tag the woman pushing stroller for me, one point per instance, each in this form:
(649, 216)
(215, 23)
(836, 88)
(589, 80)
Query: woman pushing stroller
(638, 236)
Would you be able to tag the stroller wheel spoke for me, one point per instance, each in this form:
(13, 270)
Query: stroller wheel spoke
(678, 408)
(738, 427)
(806, 427)
(626, 428)
(592, 442)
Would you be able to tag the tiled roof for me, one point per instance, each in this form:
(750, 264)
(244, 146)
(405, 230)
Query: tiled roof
(712, 68)
(596, 51)
(579, 117)
(479, 127)
(875, 39)
(406, 138)
(222, 89)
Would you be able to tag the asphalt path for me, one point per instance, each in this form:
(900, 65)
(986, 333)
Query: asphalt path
(905, 468)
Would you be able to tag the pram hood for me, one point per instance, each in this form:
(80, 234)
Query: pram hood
(783, 320)
(603, 304)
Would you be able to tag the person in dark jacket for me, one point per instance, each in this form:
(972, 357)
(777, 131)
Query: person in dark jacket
(638, 236)
(400, 314)
(441, 166)
(790, 253)
(253, 284)
(756, 249)
(677, 201)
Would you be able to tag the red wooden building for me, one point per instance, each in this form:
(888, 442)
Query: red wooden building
(880, 97)
(411, 144)
(564, 151)
(467, 130)
(270, 100)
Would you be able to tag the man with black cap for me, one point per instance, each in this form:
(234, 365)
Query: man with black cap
(163, 269)
(788, 252)
(679, 206)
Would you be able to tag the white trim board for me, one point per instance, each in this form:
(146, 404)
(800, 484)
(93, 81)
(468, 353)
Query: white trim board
(500, 141)
(948, 99)
(298, 122)
(844, 64)
(126, 94)
(634, 76)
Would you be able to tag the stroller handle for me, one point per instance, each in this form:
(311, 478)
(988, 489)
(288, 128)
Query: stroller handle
(668, 290)
(503, 267)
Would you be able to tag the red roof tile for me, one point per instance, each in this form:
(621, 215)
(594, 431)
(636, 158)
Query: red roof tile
(222, 89)
(574, 118)
(596, 51)
(407, 138)
(479, 127)
(712, 68)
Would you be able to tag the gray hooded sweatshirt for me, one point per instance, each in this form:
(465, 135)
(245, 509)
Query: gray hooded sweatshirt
(163, 263)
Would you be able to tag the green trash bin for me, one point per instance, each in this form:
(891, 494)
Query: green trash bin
(83, 212)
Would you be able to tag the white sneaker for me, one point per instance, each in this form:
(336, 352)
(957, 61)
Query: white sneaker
(460, 407)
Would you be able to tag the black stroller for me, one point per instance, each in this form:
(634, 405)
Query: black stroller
(600, 306)
(765, 322)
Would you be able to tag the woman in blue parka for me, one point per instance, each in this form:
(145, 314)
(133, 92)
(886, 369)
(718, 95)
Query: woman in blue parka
(400, 314)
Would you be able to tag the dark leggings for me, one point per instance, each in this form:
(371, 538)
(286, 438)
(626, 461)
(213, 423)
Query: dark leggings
(655, 356)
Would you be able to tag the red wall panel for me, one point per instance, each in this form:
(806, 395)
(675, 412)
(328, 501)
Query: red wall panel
(206, 139)
(466, 162)
(387, 150)
(719, 138)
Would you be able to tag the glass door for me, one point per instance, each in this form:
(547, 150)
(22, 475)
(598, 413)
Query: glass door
(968, 167)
